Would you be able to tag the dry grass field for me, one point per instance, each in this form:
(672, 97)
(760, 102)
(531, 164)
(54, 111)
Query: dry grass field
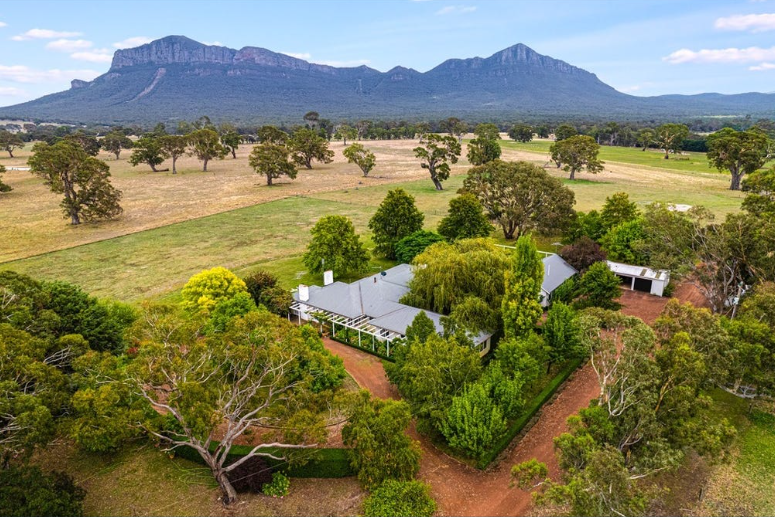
(176, 225)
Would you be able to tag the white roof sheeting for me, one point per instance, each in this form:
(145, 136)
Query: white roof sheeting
(556, 271)
(638, 271)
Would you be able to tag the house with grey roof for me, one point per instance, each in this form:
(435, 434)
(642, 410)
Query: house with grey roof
(371, 306)
(556, 271)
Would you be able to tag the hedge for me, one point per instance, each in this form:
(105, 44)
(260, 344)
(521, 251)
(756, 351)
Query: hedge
(530, 410)
(325, 463)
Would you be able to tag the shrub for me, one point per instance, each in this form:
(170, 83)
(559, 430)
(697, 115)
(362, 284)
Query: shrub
(259, 281)
(621, 242)
(582, 253)
(251, 476)
(465, 219)
(399, 499)
(204, 290)
(414, 244)
(473, 421)
(599, 287)
(279, 486)
(28, 492)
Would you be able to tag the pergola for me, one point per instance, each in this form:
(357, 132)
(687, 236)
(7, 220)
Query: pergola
(361, 324)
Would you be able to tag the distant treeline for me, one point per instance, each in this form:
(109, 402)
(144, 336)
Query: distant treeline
(611, 133)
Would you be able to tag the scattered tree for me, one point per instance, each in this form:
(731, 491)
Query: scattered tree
(414, 244)
(465, 219)
(312, 118)
(646, 137)
(115, 141)
(455, 127)
(87, 142)
(272, 135)
(173, 146)
(484, 148)
(206, 145)
(437, 152)
(149, 150)
(396, 218)
(739, 152)
(582, 253)
(3, 186)
(361, 157)
(84, 180)
(346, 132)
(204, 290)
(230, 140)
(306, 145)
(576, 153)
(335, 246)
(272, 160)
(520, 197)
(564, 131)
(760, 194)
(618, 209)
(9, 142)
(669, 137)
(521, 133)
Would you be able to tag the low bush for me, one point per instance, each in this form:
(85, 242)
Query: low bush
(279, 486)
(399, 499)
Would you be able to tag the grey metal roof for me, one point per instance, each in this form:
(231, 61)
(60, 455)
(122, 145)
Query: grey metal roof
(556, 271)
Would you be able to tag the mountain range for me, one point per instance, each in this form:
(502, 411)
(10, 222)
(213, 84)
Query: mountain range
(177, 78)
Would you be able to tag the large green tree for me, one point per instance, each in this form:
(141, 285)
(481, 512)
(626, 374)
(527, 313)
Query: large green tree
(521, 306)
(259, 373)
(381, 450)
(231, 140)
(84, 180)
(564, 131)
(670, 137)
(396, 218)
(521, 133)
(272, 160)
(306, 145)
(115, 141)
(576, 153)
(465, 219)
(484, 148)
(335, 246)
(149, 150)
(30, 492)
(599, 287)
(9, 142)
(436, 152)
(361, 157)
(520, 197)
(206, 145)
(173, 146)
(739, 152)
(414, 244)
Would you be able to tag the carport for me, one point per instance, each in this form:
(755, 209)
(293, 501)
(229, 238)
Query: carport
(639, 278)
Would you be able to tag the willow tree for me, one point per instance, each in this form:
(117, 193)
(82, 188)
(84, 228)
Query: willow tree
(521, 306)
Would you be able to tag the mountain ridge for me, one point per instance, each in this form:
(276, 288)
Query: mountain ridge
(178, 78)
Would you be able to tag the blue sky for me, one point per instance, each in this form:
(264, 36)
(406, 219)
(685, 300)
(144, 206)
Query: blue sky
(637, 46)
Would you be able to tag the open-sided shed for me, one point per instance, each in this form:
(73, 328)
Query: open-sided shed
(639, 278)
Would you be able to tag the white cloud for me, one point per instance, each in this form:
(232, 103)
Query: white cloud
(25, 74)
(68, 45)
(761, 67)
(10, 91)
(456, 9)
(213, 43)
(45, 34)
(724, 55)
(747, 22)
(98, 55)
(3, 24)
(629, 89)
(134, 41)
(299, 55)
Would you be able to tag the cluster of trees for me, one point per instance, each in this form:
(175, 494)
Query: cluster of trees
(198, 374)
(651, 410)
(480, 288)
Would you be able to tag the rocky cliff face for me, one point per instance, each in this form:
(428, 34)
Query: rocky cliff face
(172, 50)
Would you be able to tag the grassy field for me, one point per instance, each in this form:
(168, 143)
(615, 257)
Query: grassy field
(686, 161)
(272, 233)
(143, 481)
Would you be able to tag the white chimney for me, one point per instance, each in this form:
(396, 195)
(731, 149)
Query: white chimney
(328, 277)
(303, 292)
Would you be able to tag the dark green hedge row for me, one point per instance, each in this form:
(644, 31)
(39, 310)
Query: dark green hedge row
(322, 463)
(530, 410)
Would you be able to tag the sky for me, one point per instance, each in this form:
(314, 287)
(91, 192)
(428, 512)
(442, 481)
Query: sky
(640, 47)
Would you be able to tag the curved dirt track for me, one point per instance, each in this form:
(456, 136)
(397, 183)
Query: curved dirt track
(463, 490)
